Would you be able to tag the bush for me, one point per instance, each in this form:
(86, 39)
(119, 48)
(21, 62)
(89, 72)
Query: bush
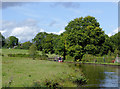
(40, 57)
(92, 58)
(80, 80)
(18, 55)
(47, 83)
(88, 58)
(33, 51)
(43, 57)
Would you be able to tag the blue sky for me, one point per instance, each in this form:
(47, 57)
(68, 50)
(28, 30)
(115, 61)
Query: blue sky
(25, 20)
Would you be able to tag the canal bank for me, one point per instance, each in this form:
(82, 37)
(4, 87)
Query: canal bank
(93, 63)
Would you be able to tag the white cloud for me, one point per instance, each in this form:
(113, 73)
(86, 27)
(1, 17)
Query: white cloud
(114, 32)
(2, 31)
(27, 33)
(66, 4)
(42, 30)
(58, 33)
(95, 11)
(24, 33)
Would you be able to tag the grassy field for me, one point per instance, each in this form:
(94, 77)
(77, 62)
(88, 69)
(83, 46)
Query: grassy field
(25, 72)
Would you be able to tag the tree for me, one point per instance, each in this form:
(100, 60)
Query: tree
(26, 45)
(45, 42)
(2, 40)
(33, 51)
(84, 35)
(59, 45)
(115, 39)
(49, 43)
(107, 46)
(12, 41)
(39, 40)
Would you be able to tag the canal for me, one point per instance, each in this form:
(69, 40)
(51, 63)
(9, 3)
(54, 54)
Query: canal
(101, 75)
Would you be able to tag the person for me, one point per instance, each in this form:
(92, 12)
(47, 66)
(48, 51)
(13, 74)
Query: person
(95, 60)
(104, 59)
(60, 59)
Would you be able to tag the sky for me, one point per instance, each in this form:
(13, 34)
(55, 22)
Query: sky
(25, 19)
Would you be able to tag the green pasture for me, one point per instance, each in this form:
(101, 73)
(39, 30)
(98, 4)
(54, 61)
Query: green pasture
(26, 72)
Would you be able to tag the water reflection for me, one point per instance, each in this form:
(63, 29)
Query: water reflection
(100, 76)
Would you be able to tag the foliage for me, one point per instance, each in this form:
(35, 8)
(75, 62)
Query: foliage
(84, 35)
(59, 45)
(39, 57)
(26, 45)
(48, 45)
(88, 58)
(11, 41)
(115, 39)
(98, 59)
(2, 40)
(33, 51)
(107, 46)
(18, 55)
(39, 40)
(45, 42)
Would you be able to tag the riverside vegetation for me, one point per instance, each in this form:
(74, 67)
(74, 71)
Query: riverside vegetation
(82, 36)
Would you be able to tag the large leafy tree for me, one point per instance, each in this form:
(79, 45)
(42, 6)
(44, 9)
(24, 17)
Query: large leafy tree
(39, 40)
(49, 43)
(59, 45)
(2, 40)
(12, 41)
(84, 35)
(45, 42)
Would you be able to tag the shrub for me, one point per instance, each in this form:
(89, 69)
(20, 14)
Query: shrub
(47, 83)
(43, 57)
(80, 80)
(33, 51)
(18, 55)
(40, 57)
(88, 58)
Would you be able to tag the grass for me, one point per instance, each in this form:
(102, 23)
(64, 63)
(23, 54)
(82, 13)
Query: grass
(25, 72)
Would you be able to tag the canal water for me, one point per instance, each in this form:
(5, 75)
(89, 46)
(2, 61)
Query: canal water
(101, 75)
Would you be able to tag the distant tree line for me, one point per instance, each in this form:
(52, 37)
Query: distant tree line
(82, 36)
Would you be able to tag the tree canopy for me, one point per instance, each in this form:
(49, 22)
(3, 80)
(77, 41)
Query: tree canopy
(12, 41)
(84, 35)
(45, 42)
(26, 45)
